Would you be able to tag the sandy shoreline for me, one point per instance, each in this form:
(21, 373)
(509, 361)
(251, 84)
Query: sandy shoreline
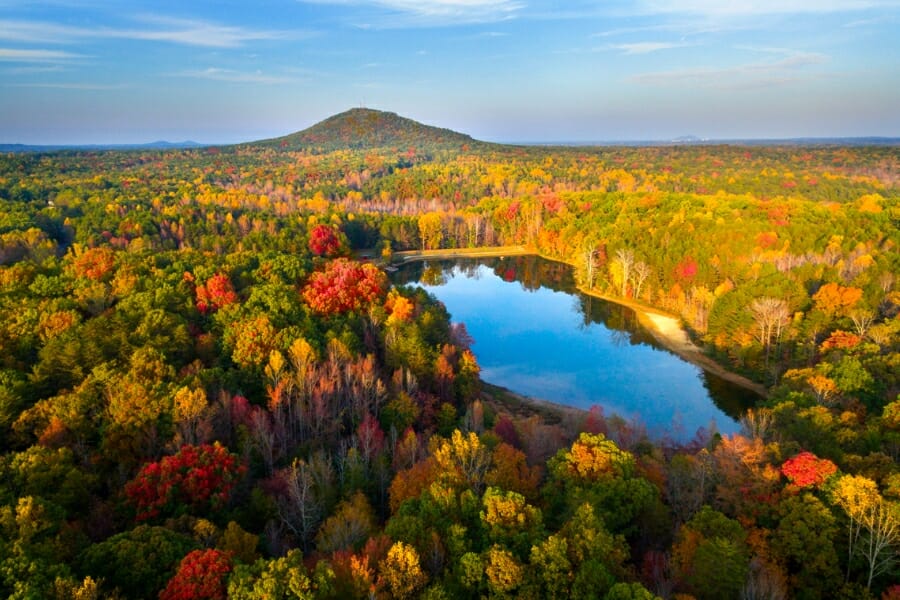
(666, 329)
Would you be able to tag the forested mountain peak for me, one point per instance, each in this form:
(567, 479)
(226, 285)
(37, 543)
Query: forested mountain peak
(360, 128)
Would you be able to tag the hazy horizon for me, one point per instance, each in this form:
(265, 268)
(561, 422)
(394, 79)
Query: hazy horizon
(890, 140)
(508, 71)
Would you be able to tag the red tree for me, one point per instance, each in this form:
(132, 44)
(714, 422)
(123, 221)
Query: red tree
(215, 293)
(323, 241)
(197, 477)
(344, 286)
(807, 469)
(202, 574)
(686, 269)
(842, 340)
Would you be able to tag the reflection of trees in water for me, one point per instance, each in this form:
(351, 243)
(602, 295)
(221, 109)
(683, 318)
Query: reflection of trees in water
(731, 399)
(470, 268)
(534, 272)
(620, 337)
(433, 275)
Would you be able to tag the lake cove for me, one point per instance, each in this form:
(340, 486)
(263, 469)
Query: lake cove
(536, 335)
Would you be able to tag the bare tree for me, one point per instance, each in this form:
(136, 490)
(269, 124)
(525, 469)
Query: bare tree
(764, 582)
(641, 273)
(300, 509)
(626, 261)
(874, 524)
(772, 316)
(757, 423)
(862, 320)
(882, 525)
(886, 281)
(305, 501)
(588, 255)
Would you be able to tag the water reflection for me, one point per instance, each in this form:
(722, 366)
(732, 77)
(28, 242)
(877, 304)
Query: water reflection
(536, 334)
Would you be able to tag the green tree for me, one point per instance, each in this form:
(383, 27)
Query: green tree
(629, 591)
(138, 562)
(805, 523)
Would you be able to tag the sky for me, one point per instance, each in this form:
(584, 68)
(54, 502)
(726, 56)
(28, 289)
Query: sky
(128, 71)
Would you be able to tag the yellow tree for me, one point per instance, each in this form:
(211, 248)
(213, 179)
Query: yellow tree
(833, 299)
(190, 406)
(874, 526)
(430, 230)
(401, 571)
(504, 573)
(462, 460)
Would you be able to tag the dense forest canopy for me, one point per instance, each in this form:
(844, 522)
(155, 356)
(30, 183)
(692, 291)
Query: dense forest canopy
(202, 392)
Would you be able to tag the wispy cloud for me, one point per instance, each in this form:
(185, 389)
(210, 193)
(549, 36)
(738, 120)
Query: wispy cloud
(71, 86)
(429, 13)
(721, 8)
(873, 21)
(744, 76)
(151, 28)
(36, 68)
(686, 26)
(646, 47)
(203, 33)
(634, 48)
(20, 55)
(232, 76)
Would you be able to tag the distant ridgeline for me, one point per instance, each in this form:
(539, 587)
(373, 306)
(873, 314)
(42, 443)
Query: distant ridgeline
(160, 145)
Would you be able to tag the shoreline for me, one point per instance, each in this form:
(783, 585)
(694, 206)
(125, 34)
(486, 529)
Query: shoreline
(405, 256)
(521, 405)
(665, 328)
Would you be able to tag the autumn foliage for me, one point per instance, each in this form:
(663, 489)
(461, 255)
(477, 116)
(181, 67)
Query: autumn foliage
(399, 308)
(202, 575)
(323, 241)
(154, 301)
(841, 340)
(836, 299)
(197, 477)
(95, 263)
(806, 469)
(344, 286)
(215, 293)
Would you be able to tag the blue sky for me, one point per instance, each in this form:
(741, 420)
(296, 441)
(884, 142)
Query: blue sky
(119, 71)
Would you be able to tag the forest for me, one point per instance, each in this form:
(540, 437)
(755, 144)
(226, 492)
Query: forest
(206, 392)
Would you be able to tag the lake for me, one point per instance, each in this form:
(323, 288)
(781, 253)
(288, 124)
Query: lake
(536, 335)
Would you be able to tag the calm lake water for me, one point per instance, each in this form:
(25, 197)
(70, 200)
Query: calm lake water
(535, 334)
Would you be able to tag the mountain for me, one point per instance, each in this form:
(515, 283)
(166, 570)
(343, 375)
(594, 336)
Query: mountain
(158, 145)
(362, 128)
